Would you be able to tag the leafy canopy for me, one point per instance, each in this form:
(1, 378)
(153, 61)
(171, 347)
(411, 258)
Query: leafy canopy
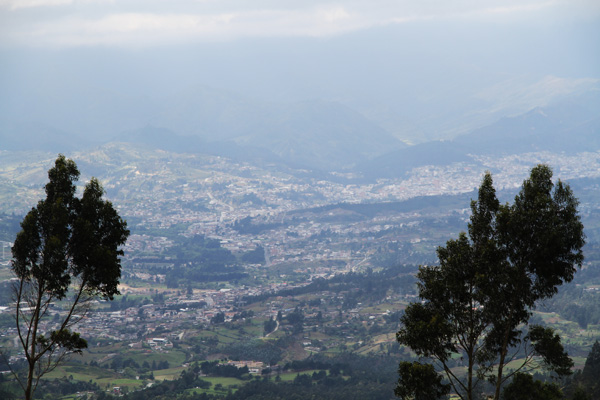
(476, 303)
(68, 249)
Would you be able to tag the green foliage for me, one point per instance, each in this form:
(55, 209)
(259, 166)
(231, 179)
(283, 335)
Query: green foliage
(70, 341)
(125, 302)
(197, 259)
(245, 226)
(65, 242)
(581, 394)
(591, 370)
(524, 387)
(175, 389)
(586, 383)
(218, 318)
(427, 332)
(213, 368)
(295, 317)
(372, 286)
(419, 382)
(269, 325)
(476, 302)
(256, 256)
(547, 344)
(199, 249)
(575, 304)
(256, 349)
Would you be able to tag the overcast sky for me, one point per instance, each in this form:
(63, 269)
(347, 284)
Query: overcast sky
(151, 22)
(414, 67)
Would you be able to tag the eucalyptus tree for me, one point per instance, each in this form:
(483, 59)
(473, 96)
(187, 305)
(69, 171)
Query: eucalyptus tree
(475, 305)
(68, 251)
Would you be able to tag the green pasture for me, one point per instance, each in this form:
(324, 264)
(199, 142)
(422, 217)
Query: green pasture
(223, 334)
(290, 376)
(168, 374)
(104, 378)
(174, 357)
(226, 383)
(381, 308)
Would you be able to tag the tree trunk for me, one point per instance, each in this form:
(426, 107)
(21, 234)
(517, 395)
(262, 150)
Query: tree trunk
(470, 376)
(503, 352)
(499, 377)
(29, 387)
(32, 357)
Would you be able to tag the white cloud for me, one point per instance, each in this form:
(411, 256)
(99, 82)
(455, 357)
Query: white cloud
(16, 4)
(24, 4)
(145, 23)
(145, 28)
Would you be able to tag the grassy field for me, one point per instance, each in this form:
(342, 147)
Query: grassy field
(290, 376)
(174, 357)
(104, 378)
(227, 384)
(359, 329)
(168, 374)
(232, 384)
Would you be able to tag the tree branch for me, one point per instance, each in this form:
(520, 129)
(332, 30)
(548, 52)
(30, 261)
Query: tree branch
(452, 378)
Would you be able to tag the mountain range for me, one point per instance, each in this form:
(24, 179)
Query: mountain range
(569, 126)
(320, 136)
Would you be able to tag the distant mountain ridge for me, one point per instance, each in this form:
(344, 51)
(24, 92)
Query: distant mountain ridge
(166, 139)
(317, 136)
(313, 134)
(569, 126)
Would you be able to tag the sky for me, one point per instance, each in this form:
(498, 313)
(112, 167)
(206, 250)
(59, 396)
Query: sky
(147, 23)
(420, 69)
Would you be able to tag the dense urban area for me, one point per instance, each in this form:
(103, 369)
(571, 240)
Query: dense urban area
(241, 275)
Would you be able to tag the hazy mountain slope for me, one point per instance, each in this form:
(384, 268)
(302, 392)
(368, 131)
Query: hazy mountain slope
(88, 109)
(316, 135)
(36, 136)
(313, 134)
(322, 135)
(166, 139)
(210, 113)
(397, 163)
(571, 125)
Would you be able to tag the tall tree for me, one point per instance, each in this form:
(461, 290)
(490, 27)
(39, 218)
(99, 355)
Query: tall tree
(591, 370)
(524, 387)
(476, 303)
(68, 250)
(587, 381)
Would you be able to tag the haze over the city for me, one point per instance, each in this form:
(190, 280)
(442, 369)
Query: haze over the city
(414, 70)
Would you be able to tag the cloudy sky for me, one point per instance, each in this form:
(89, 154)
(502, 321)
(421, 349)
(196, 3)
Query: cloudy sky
(420, 69)
(151, 22)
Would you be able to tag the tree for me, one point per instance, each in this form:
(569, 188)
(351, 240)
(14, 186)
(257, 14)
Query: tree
(218, 318)
(581, 394)
(591, 370)
(477, 302)
(585, 385)
(420, 382)
(269, 326)
(523, 387)
(68, 250)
